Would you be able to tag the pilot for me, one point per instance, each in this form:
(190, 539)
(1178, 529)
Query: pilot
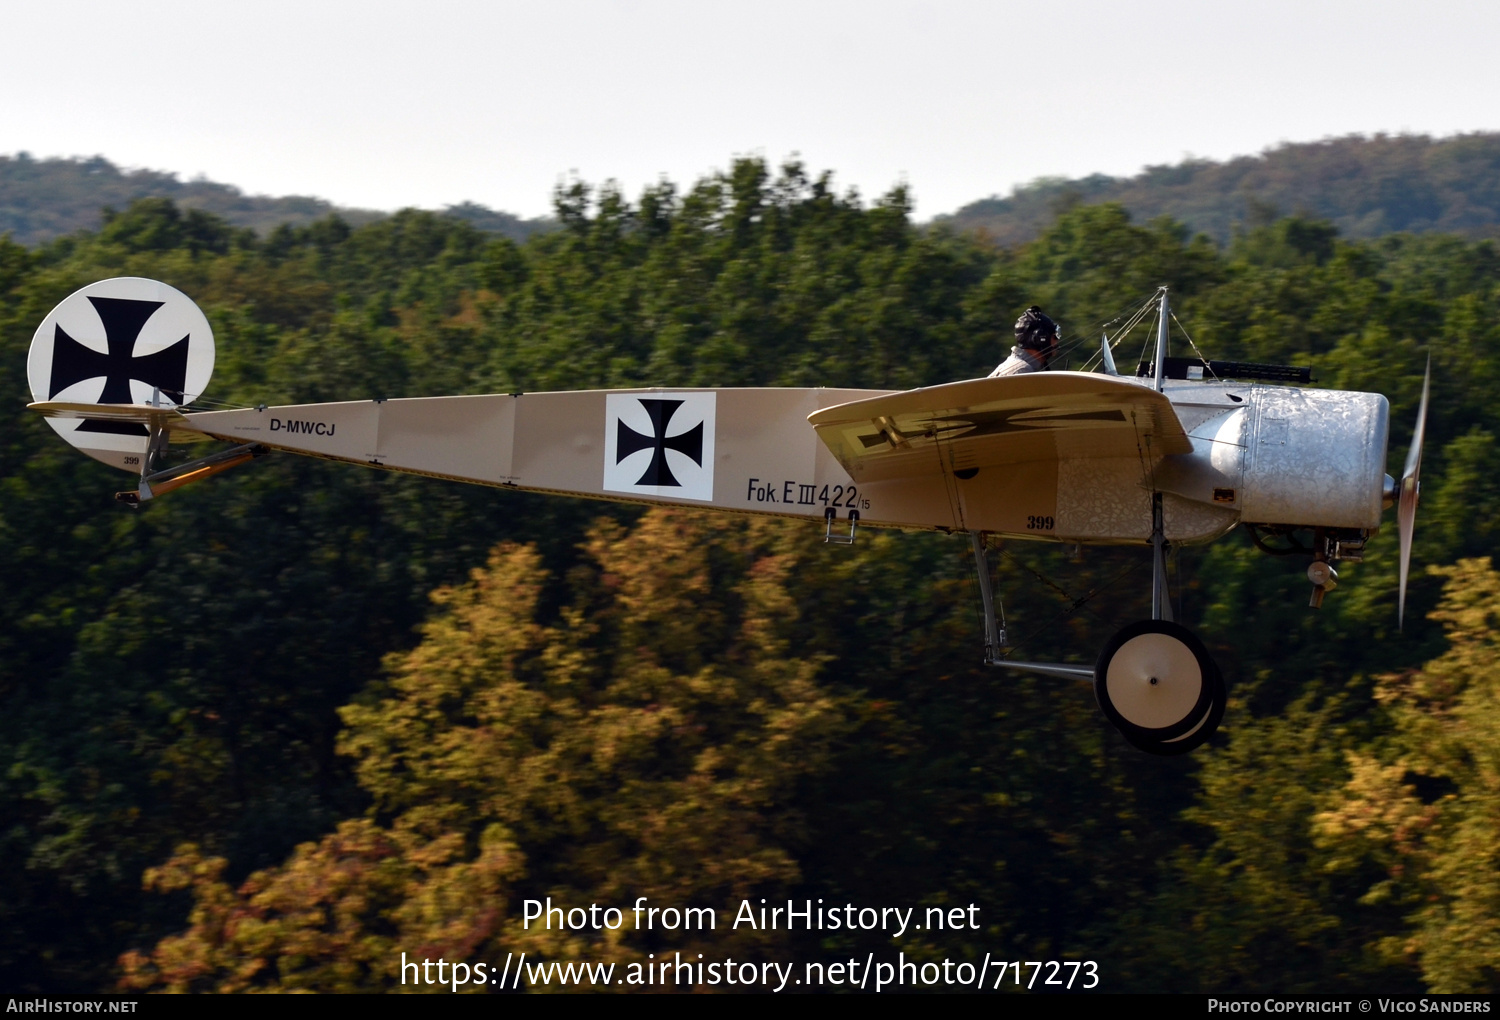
(1036, 342)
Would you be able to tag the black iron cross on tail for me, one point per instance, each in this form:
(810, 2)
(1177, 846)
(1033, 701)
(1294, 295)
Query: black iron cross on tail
(689, 443)
(123, 320)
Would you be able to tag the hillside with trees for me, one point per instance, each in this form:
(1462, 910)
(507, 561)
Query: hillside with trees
(1365, 186)
(278, 728)
(42, 199)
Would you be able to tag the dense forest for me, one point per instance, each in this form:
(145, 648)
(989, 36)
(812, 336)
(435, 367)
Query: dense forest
(42, 199)
(274, 730)
(1365, 186)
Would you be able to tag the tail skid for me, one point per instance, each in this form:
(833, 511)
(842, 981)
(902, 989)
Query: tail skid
(161, 482)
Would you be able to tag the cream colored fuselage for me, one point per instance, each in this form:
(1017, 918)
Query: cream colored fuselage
(1263, 454)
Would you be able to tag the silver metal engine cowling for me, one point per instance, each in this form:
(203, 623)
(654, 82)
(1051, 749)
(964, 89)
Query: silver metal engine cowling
(1315, 458)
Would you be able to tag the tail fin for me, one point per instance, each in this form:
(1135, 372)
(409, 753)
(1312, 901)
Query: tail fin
(128, 345)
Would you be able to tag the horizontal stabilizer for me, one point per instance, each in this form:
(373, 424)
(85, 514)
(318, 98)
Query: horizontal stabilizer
(142, 414)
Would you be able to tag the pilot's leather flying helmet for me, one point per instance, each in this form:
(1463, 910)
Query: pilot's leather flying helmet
(1036, 332)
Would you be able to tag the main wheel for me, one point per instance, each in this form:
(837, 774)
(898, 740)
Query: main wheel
(1193, 738)
(1157, 683)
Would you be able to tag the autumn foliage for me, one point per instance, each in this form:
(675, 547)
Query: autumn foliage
(618, 704)
(643, 743)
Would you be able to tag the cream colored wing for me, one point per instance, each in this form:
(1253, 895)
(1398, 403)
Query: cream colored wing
(1037, 418)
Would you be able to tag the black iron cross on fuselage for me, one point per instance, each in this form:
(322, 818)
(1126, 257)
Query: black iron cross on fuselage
(689, 443)
(123, 319)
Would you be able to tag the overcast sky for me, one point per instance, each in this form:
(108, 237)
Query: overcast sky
(386, 104)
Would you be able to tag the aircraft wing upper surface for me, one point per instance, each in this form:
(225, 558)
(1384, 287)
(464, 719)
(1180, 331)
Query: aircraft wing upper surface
(1038, 417)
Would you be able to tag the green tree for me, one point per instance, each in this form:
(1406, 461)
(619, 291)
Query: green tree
(1424, 805)
(645, 744)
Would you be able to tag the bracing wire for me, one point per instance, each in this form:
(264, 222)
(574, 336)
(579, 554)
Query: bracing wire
(1200, 354)
(1036, 574)
(217, 405)
(1131, 315)
(1073, 604)
(1120, 335)
(1072, 342)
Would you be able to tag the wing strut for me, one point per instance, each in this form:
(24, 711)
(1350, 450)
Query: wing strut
(1161, 598)
(995, 637)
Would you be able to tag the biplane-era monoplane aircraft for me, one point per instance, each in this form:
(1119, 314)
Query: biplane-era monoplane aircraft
(1181, 452)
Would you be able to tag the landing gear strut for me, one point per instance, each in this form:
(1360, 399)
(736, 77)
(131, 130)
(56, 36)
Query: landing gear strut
(1154, 680)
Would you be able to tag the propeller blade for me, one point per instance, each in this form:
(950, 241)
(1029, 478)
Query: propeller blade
(1410, 491)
